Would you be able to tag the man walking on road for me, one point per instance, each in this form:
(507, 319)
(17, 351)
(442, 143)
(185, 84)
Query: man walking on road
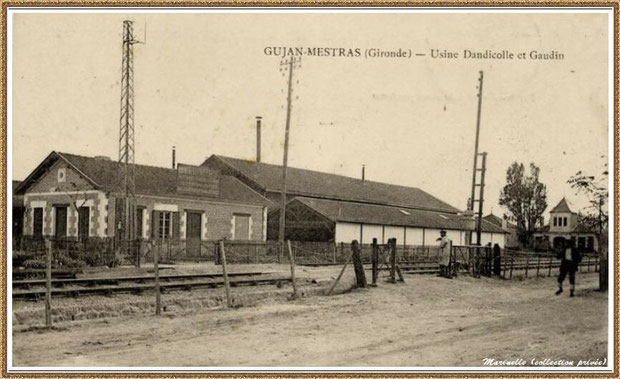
(570, 261)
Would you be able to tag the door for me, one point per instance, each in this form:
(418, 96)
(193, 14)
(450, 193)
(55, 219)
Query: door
(37, 223)
(83, 223)
(193, 237)
(61, 222)
(139, 221)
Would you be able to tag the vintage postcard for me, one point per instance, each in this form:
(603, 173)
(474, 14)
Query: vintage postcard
(260, 189)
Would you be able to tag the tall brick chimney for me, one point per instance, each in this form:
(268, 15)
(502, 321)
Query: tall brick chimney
(258, 143)
(174, 157)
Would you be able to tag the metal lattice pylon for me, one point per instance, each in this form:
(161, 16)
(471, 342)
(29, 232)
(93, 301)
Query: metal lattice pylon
(126, 142)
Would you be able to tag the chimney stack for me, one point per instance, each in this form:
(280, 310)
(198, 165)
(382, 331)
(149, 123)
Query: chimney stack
(174, 157)
(363, 172)
(258, 121)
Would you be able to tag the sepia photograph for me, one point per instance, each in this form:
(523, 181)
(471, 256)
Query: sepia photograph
(284, 190)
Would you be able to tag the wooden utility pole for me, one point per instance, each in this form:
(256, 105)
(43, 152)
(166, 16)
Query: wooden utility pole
(481, 199)
(473, 180)
(288, 64)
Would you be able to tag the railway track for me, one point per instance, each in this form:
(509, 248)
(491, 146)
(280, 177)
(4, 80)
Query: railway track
(34, 289)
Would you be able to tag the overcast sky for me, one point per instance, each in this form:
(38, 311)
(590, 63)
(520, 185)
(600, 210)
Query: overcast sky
(200, 80)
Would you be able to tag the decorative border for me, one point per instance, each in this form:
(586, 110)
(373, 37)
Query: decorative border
(302, 4)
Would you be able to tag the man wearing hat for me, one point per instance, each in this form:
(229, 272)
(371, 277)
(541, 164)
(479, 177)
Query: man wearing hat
(570, 261)
(445, 248)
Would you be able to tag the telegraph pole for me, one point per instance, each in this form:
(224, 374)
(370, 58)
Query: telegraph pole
(481, 199)
(290, 65)
(473, 180)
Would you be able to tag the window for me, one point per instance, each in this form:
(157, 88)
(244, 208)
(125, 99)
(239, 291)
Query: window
(565, 221)
(555, 221)
(62, 175)
(165, 225)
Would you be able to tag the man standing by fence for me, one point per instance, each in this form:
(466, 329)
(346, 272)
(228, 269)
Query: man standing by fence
(445, 248)
(570, 261)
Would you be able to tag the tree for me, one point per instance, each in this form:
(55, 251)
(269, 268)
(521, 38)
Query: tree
(596, 216)
(525, 198)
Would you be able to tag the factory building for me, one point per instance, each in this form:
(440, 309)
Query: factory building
(328, 207)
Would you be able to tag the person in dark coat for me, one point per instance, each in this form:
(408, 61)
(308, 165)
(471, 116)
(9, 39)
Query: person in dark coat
(570, 258)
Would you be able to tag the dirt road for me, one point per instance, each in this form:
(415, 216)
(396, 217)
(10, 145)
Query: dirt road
(427, 321)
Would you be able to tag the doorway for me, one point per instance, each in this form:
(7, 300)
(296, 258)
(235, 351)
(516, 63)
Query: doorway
(193, 238)
(61, 222)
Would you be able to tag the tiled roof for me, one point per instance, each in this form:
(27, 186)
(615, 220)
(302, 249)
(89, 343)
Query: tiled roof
(301, 182)
(562, 207)
(495, 220)
(346, 211)
(107, 175)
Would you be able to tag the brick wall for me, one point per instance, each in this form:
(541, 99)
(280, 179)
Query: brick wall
(218, 215)
(70, 180)
(47, 201)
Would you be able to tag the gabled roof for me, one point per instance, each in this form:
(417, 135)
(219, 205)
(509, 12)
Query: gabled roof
(562, 207)
(497, 221)
(107, 175)
(347, 211)
(308, 183)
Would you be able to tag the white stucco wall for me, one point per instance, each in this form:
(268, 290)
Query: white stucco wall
(493, 238)
(397, 232)
(415, 236)
(347, 232)
(371, 231)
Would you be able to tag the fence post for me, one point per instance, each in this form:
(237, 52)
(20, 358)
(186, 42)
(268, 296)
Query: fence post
(157, 289)
(48, 284)
(292, 259)
(588, 263)
(538, 267)
(512, 259)
(375, 261)
(527, 264)
(505, 264)
(596, 264)
(550, 263)
(392, 243)
(226, 284)
(358, 265)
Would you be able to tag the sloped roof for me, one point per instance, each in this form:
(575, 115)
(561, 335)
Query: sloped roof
(107, 175)
(301, 182)
(497, 221)
(562, 207)
(347, 211)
